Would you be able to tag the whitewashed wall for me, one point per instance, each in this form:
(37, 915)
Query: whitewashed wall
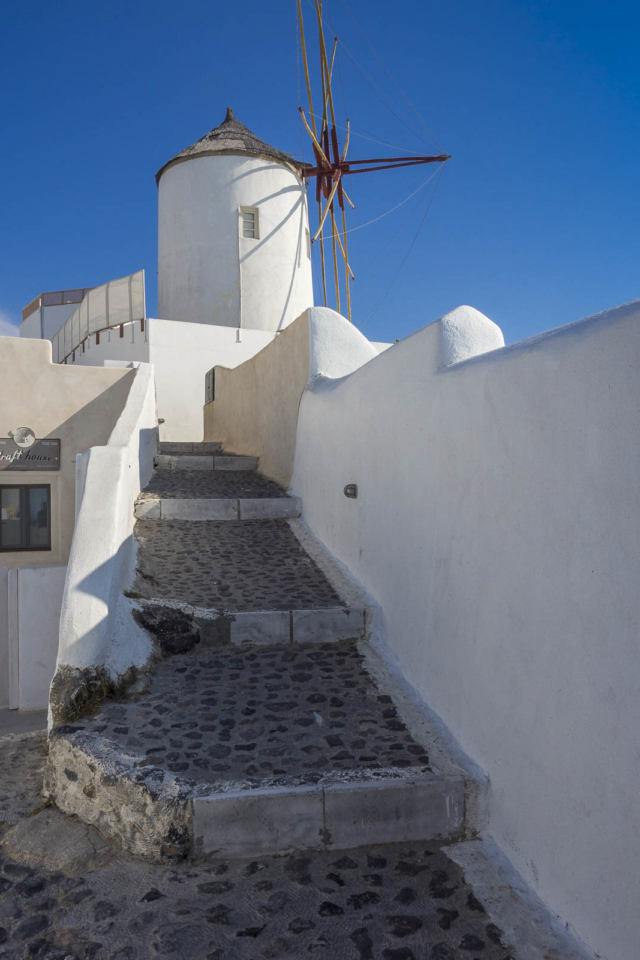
(181, 354)
(256, 404)
(31, 328)
(4, 637)
(497, 526)
(96, 625)
(46, 321)
(132, 346)
(30, 599)
(207, 272)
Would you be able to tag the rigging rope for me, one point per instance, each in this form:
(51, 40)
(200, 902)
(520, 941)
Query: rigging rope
(385, 100)
(397, 206)
(385, 143)
(389, 74)
(406, 257)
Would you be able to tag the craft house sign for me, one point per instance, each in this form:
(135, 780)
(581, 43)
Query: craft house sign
(22, 451)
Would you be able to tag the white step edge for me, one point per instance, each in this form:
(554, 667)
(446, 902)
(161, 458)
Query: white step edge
(321, 625)
(267, 508)
(165, 461)
(235, 463)
(342, 815)
(180, 447)
(297, 626)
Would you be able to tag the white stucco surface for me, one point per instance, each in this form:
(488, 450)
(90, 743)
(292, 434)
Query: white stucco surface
(496, 525)
(39, 599)
(46, 321)
(132, 346)
(336, 348)
(31, 328)
(77, 406)
(207, 272)
(4, 637)
(96, 626)
(181, 354)
(256, 405)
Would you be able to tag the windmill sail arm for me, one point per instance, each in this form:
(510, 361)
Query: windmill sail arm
(326, 210)
(393, 166)
(390, 163)
(314, 141)
(393, 160)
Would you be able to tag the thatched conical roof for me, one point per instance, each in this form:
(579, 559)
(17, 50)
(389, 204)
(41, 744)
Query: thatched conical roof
(231, 138)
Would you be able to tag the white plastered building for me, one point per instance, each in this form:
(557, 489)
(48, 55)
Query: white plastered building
(233, 233)
(234, 269)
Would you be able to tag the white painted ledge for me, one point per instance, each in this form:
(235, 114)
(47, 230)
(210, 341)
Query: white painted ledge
(204, 462)
(248, 823)
(266, 508)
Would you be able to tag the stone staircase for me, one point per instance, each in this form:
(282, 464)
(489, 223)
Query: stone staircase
(200, 456)
(192, 482)
(269, 725)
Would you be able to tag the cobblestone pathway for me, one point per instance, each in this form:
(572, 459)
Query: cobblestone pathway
(210, 484)
(263, 714)
(229, 565)
(394, 902)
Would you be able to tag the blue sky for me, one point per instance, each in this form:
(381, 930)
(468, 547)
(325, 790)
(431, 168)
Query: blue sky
(535, 218)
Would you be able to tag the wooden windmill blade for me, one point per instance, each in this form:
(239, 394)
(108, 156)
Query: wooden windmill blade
(331, 164)
(334, 173)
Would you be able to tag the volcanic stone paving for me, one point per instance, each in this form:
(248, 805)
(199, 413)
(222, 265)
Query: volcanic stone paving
(229, 565)
(395, 902)
(213, 484)
(264, 714)
(21, 759)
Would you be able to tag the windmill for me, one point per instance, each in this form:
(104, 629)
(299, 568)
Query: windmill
(331, 163)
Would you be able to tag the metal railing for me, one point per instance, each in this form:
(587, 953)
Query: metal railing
(54, 298)
(102, 308)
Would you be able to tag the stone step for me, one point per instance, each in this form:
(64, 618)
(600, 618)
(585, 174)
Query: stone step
(256, 751)
(204, 462)
(260, 508)
(211, 485)
(244, 566)
(175, 447)
(348, 814)
(241, 627)
(427, 900)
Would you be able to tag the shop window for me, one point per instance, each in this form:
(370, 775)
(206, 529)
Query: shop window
(25, 517)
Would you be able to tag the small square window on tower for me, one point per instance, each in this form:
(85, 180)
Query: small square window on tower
(249, 223)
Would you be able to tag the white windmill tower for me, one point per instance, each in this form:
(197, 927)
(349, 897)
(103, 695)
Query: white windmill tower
(233, 233)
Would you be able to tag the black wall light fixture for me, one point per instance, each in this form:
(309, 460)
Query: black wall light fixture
(351, 491)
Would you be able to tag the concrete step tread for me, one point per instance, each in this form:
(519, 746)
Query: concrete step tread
(240, 627)
(240, 565)
(420, 899)
(178, 448)
(261, 508)
(326, 720)
(260, 750)
(222, 461)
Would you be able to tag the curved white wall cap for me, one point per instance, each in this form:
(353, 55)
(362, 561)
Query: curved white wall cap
(623, 313)
(336, 347)
(465, 333)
